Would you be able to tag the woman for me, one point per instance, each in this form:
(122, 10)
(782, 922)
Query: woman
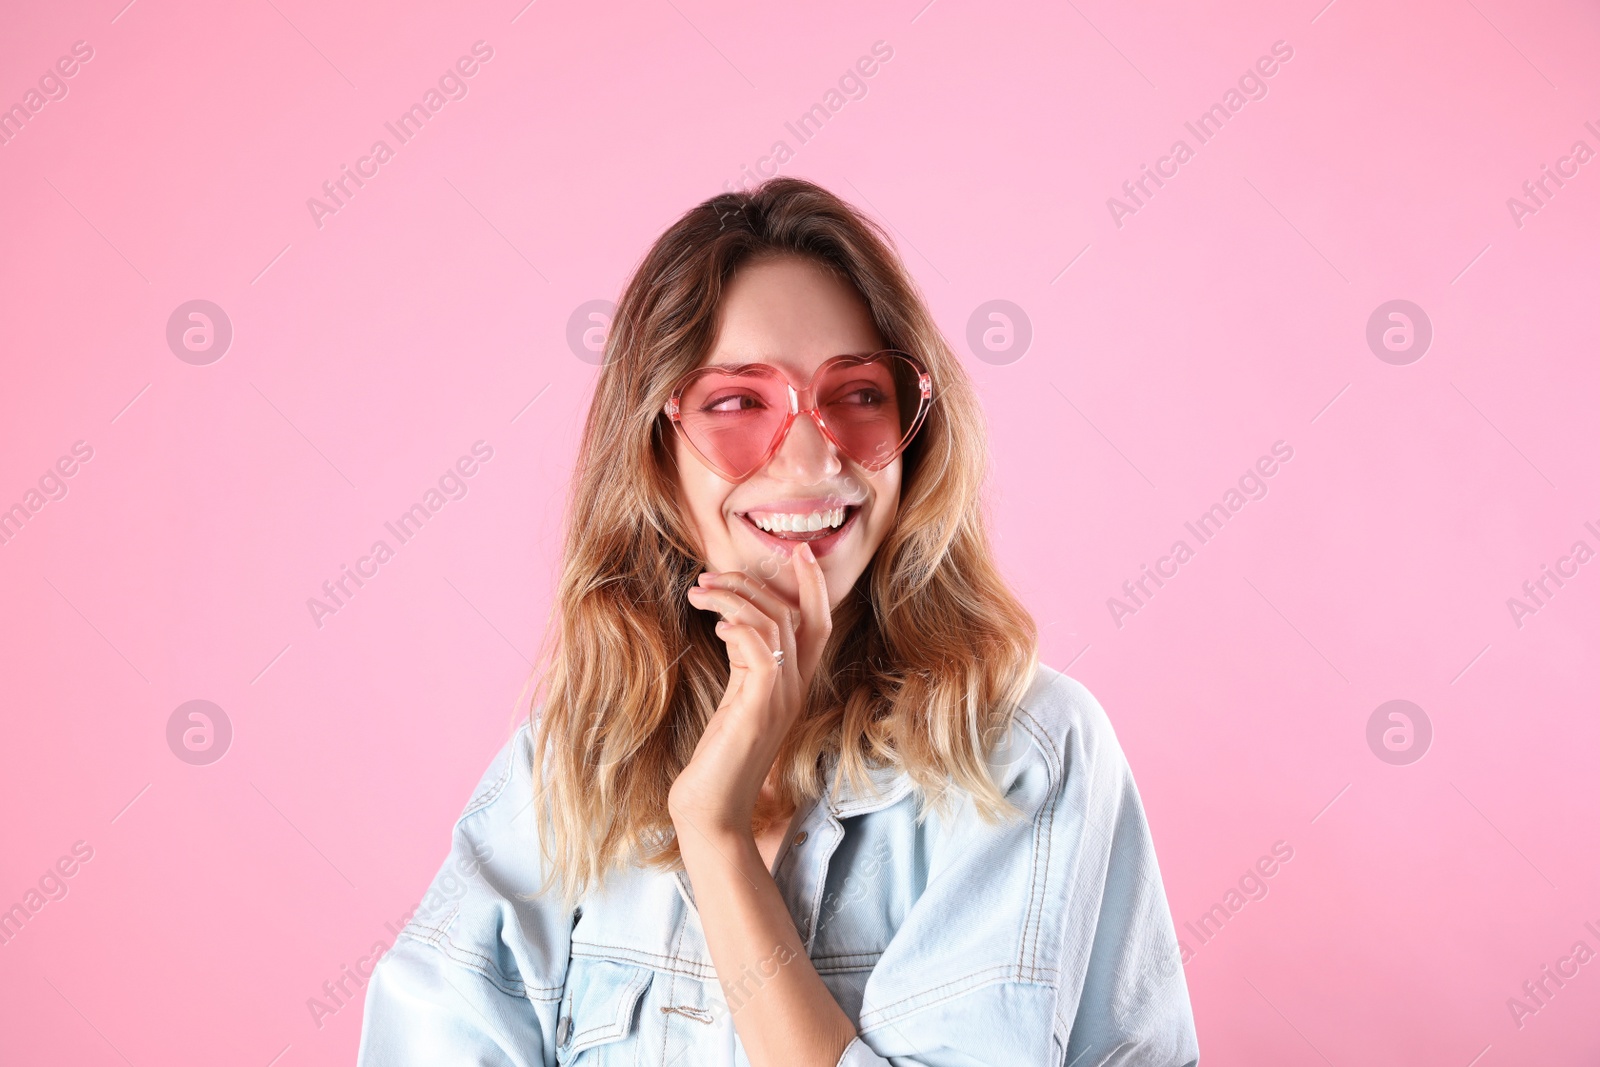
(805, 796)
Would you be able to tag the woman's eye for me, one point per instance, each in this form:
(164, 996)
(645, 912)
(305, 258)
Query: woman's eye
(733, 402)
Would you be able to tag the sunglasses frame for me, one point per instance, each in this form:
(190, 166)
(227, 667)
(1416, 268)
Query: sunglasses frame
(802, 400)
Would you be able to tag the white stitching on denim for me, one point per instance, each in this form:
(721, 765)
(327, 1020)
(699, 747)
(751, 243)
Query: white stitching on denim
(639, 957)
(627, 1000)
(449, 951)
(1034, 919)
(483, 799)
(999, 975)
(672, 986)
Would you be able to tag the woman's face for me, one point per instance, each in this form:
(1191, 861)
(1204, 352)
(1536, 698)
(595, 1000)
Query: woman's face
(794, 315)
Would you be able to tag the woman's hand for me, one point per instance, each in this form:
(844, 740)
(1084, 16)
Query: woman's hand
(792, 1019)
(716, 793)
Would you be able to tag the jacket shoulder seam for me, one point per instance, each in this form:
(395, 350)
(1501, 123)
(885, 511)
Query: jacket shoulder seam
(489, 794)
(439, 940)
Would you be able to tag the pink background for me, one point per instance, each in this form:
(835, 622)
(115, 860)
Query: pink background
(1229, 312)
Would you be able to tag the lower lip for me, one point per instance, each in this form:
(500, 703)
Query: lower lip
(819, 547)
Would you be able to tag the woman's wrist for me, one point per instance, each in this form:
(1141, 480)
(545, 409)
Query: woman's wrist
(705, 837)
(695, 814)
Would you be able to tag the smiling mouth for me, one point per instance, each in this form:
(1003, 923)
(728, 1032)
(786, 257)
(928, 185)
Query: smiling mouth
(826, 534)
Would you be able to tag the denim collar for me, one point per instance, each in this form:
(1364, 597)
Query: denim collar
(887, 785)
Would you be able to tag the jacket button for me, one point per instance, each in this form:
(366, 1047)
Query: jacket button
(563, 1028)
(800, 838)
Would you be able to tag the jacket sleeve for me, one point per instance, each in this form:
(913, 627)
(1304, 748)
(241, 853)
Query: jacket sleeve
(475, 976)
(1045, 940)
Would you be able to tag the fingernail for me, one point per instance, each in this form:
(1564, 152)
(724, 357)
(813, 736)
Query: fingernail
(805, 546)
(705, 579)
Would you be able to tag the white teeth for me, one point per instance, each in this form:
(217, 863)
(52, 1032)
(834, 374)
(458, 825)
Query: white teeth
(817, 520)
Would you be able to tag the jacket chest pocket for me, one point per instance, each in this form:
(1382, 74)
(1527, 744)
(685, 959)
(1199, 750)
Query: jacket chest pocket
(599, 1009)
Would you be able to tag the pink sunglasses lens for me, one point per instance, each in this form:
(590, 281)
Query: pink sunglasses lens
(731, 418)
(870, 405)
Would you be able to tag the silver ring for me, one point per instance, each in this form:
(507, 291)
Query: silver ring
(777, 656)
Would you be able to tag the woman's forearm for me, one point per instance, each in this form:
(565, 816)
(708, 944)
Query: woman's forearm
(784, 1014)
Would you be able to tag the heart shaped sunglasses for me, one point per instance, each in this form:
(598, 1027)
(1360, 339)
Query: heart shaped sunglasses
(735, 416)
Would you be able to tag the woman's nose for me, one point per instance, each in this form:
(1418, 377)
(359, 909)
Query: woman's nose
(806, 453)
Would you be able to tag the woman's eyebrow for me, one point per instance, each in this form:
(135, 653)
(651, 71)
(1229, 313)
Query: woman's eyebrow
(738, 367)
(736, 364)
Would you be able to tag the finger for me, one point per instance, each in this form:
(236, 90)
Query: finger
(757, 591)
(734, 607)
(771, 605)
(749, 651)
(765, 599)
(816, 614)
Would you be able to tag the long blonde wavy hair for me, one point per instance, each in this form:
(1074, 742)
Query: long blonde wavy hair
(930, 651)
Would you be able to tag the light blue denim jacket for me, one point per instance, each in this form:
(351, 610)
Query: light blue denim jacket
(1042, 940)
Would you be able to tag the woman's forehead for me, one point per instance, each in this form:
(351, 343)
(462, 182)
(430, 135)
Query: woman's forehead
(792, 314)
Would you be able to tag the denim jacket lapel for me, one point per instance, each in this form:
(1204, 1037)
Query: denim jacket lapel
(887, 786)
